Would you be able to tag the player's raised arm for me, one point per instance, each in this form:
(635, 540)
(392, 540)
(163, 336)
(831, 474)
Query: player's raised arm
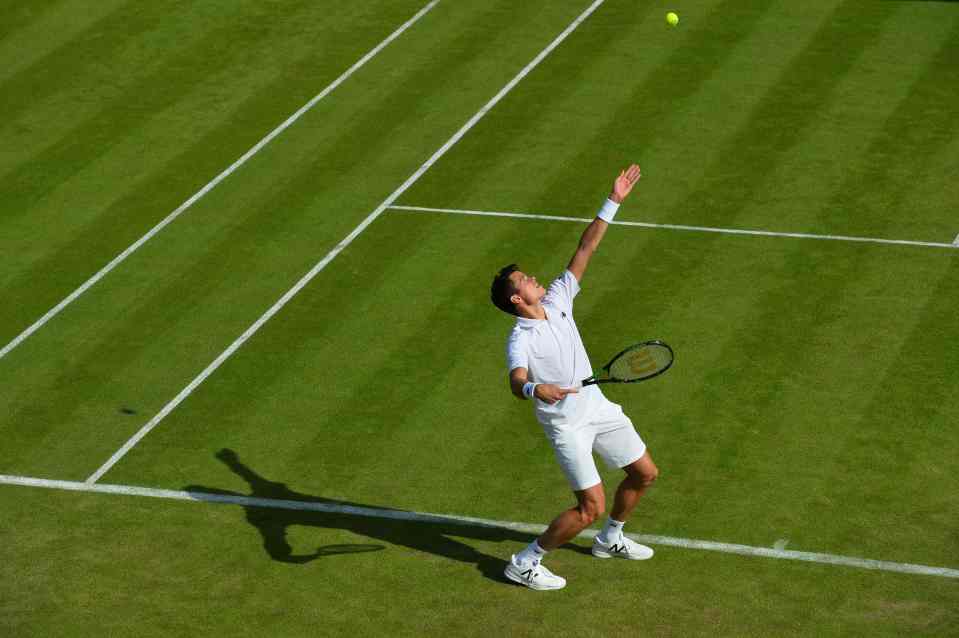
(595, 231)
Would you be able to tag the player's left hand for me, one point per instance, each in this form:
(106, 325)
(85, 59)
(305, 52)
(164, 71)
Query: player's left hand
(624, 183)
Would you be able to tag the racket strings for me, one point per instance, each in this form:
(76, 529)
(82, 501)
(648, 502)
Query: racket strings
(645, 361)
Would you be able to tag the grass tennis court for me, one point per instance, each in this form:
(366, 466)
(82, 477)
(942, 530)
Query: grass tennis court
(812, 405)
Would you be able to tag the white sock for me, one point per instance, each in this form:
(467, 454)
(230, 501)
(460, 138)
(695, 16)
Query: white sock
(531, 552)
(612, 530)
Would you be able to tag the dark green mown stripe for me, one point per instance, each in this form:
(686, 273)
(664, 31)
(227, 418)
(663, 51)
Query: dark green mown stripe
(502, 134)
(772, 129)
(186, 68)
(17, 14)
(785, 112)
(636, 123)
(164, 189)
(923, 124)
(341, 349)
(97, 44)
(281, 209)
(899, 455)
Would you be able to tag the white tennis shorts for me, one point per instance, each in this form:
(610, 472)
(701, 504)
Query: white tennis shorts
(607, 431)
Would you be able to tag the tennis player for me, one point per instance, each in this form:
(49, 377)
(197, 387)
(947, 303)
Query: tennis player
(547, 361)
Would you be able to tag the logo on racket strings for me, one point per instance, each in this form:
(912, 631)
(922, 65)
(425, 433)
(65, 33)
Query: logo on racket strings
(641, 362)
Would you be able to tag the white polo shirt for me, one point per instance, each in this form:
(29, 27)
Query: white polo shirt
(552, 352)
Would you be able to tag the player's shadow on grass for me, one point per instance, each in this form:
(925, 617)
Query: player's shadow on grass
(273, 519)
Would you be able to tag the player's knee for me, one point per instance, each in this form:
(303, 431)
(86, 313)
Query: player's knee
(591, 510)
(650, 477)
(646, 477)
(587, 517)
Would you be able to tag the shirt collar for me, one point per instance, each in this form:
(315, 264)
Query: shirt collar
(526, 322)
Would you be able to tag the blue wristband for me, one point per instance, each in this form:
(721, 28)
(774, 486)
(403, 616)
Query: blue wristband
(528, 389)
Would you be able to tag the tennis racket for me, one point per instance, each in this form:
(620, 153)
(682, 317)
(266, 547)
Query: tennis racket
(636, 363)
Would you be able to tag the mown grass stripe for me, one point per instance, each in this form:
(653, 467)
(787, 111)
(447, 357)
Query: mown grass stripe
(278, 305)
(19, 16)
(211, 185)
(706, 229)
(453, 520)
(700, 56)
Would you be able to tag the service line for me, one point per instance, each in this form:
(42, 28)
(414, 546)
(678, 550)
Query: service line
(100, 274)
(452, 521)
(704, 229)
(346, 241)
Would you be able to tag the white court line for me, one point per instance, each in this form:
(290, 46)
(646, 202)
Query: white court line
(443, 519)
(706, 229)
(119, 454)
(955, 242)
(211, 185)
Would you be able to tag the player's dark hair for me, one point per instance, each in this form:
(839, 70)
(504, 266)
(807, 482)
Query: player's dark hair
(503, 288)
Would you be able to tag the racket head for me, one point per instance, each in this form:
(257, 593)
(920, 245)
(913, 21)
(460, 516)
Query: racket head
(640, 361)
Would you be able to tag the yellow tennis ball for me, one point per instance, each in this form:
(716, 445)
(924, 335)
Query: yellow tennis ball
(672, 18)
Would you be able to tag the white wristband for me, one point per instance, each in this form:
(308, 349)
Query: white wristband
(608, 211)
(528, 389)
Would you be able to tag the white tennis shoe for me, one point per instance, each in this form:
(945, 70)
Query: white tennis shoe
(622, 547)
(533, 574)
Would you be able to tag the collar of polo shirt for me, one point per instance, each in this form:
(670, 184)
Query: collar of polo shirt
(526, 322)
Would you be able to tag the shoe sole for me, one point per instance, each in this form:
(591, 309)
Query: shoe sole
(601, 554)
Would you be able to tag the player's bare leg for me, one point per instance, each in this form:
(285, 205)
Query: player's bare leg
(526, 568)
(640, 475)
(610, 542)
(591, 503)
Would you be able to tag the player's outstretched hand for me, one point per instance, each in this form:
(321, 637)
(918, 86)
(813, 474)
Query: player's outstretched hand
(552, 393)
(624, 183)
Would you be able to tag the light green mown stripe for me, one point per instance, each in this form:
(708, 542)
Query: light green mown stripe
(781, 118)
(279, 249)
(21, 15)
(810, 389)
(882, 358)
(900, 450)
(42, 30)
(110, 352)
(923, 123)
(500, 148)
(208, 82)
(420, 363)
(934, 189)
(306, 278)
(636, 125)
(29, 278)
(161, 77)
(840, 143)
(761, 141)
(62, 90)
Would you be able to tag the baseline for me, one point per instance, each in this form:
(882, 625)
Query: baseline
(289, 294)
(705, 229)
(116, 261)
(444, 519)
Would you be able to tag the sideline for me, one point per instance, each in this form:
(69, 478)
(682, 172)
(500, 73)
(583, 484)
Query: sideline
(443, 519)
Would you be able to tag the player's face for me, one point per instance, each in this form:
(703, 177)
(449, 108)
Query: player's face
(527, 287)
